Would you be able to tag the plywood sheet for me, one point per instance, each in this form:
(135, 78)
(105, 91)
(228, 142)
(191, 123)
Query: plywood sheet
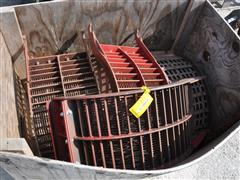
(8, 114)
(54, 27)
(12, 35)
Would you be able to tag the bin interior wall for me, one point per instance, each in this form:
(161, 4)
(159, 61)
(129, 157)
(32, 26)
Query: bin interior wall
(214, 49)
(55, 27)
(9, 127)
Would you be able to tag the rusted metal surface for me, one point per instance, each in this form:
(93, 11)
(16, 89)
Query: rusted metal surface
(26, 123)
(178, 68)
(55, 76)
(72, 75)
(128, 67)
(99, 130)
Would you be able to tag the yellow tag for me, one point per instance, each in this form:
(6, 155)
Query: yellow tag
(142, 103)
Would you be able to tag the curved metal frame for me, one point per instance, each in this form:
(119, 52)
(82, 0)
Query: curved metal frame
(131, 135)
(98, 52)
(151, 57)
(103, 135)
(100, 55)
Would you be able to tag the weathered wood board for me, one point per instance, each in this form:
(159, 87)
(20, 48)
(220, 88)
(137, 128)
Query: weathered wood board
(54, 27)
(214, 49)
(12, 35)
(9, 126)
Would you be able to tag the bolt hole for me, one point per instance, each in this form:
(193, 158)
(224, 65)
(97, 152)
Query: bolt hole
(215, 34)
(236, 47)
(206, 56)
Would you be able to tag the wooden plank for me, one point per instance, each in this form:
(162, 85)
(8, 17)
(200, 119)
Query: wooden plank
(56, 26)
(8, 113)
(12, 35)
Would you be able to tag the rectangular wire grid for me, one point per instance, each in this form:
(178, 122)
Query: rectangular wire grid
(55, 76)
(178, 68)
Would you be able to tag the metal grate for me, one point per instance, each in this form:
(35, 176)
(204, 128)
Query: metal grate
(99, 130)
(176, 69)
(128, 67)
(55, 76)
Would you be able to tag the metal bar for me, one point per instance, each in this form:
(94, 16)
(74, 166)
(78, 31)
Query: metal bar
(187, 107)
(184, 100)
(97, 118)
(177, 112)
(187, 98)
(119, 133)
(82, 132)
(109, 133)
(61, 75)
(181, 101)
(178, 67)
(150, 138)
(99, 132)
(184, 114)
(184, 137)
(176, 102)
(125, 93)
(188, 133)
(131, 135)
(141, 140)
(65, 110)
(87, 49)
(166, 123)
(51, 130)
(90, 134)
(171, 109)
(51, 56)
(130, 132)
(158, 125)
(184, 21)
